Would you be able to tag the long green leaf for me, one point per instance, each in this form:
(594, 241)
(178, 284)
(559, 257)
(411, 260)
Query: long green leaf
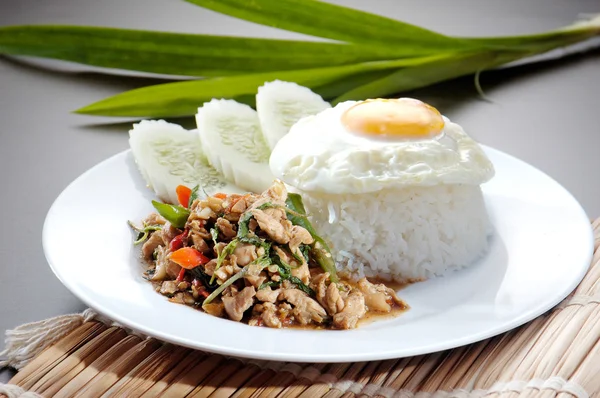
(183, 98)
(432, 72)
(456, 65)
(178, 54)
(331, 21)
(543, 41)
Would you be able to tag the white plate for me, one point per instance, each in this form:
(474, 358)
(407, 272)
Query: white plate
(541, 248)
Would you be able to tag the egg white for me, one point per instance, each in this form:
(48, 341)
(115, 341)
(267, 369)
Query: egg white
(318, 154)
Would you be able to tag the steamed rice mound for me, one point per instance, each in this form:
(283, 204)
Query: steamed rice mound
(405, 234)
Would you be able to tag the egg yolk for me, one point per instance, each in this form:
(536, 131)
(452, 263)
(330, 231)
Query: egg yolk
(401, 118)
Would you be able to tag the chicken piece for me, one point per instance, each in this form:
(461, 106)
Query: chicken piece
(215, 204)
(256, 281)
(197, 230)
(378, 297)
(299, 236)
(215, 309)
(235, 306)
(206, 213)
(245, 253)
(200, 244)
(268, 295)
(223, 273)
(255, 275)
(168, 232)
(209, 267)
(164, 267)
(252, 225)
(269, 316)
(319, 285)
(305, 308)
(168, 287)
(328, 294)
(354, 309)
(240, 205)
(172, 269)
(276, 192)
(334, 302)
(225, 228)
(277, 230)
(151, 245)
(282, 255)
(302, 272)
(154, 219)
(218, 248)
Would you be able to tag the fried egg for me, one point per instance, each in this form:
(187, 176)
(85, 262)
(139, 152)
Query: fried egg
(367, 146)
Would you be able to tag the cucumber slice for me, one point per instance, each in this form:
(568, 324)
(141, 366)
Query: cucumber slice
(168, 155)
(231, 136)
(281, 104)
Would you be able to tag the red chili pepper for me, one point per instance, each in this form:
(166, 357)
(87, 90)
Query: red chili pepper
(203, 292)
(183, 195)
(178, 242)
(189, 258)
(181, 275)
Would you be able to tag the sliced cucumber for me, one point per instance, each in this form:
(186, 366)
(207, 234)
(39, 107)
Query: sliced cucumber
(281, 104)
(168, 155)
(231, 136)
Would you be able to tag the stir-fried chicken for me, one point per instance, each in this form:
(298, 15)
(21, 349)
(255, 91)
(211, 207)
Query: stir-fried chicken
(268, 295)
(275, 228)
(299, 236)
(305, 309)
(235, 306)
(354, 309)
(241, 257)
(379, 297)
(269, 315)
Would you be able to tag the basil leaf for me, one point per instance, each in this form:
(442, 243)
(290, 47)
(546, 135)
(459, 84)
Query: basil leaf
(300, 285)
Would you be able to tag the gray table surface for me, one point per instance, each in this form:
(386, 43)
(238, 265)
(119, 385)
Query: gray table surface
(547, 115)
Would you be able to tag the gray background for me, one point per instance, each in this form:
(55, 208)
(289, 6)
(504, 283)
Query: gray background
(546, 114)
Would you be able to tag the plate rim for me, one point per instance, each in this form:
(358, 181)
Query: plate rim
(319, 358)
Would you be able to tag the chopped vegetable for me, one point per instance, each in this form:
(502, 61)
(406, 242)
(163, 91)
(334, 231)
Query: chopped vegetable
(183, 195)
(319, 248)
(220, 195)
(189, 258)
(181, 275)
(193, 196)
(227, 250)
(245, 236)
(214, 233)
(203, 278)
(269, 284)
(300, 285)
(143, 232)
(178, 242)
(176, 215)
(224, 286)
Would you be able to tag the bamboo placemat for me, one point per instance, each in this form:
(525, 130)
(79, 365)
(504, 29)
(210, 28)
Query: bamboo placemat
(556, 355)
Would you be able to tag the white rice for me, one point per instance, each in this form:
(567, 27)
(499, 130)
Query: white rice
(403, 234)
